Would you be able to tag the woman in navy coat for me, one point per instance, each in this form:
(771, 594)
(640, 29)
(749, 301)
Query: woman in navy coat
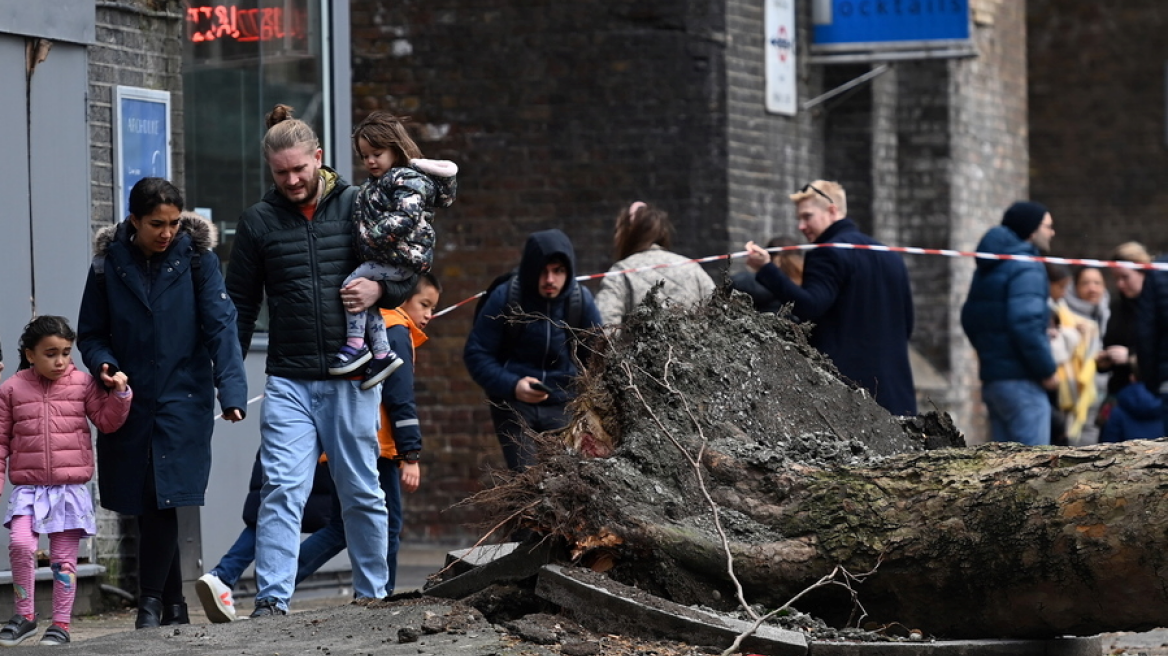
(155, 306)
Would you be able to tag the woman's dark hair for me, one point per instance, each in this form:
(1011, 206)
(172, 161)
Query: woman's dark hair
(1079, 271)
(640, 228)
(1056, 272)
(148, 193)
(40, 328)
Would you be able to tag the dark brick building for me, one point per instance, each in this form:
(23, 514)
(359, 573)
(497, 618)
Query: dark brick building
(562, 113)
(1098, 135)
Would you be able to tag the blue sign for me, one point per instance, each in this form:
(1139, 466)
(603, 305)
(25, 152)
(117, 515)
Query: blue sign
(884, 24)
(143, 140)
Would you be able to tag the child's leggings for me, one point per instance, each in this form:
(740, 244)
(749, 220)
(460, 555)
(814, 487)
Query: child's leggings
(370, 321)
(22, 546)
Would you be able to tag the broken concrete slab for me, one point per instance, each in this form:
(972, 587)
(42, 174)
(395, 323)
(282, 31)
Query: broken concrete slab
(463, 560)
(605, 606)
(1089, 646)
(520, 563)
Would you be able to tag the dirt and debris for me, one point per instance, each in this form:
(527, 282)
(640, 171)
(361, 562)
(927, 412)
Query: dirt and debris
(685, 409)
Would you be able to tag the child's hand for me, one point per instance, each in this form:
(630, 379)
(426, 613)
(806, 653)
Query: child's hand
(118, 380)
(411, 476)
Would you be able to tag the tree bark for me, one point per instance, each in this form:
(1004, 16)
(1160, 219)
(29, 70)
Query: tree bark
(997, 541)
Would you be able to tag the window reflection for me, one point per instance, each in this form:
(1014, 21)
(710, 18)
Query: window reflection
(240, 58)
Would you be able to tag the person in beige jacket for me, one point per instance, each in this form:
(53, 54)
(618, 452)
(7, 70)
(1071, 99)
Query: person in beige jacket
(642, 239)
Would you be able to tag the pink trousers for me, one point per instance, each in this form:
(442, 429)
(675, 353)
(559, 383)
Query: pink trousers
(22, 546)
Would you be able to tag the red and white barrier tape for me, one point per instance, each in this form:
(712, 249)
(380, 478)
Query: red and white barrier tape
(944, 252)
(912, 250)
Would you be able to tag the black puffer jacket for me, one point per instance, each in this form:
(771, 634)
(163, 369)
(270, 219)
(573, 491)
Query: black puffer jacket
(300, 265)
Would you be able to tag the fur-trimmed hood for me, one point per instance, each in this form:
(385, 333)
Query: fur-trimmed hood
(204, 235)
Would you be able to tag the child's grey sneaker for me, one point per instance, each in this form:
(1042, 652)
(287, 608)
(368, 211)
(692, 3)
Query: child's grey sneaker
(17, 630)
(55, 635)
(379, 369)
(348, 360)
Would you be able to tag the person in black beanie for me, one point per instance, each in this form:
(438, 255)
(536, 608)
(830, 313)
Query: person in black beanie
(1005, 317)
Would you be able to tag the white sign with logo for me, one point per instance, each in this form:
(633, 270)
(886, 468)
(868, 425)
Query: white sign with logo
(779, 51)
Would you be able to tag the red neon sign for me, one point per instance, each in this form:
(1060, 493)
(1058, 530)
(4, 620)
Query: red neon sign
(245, 25)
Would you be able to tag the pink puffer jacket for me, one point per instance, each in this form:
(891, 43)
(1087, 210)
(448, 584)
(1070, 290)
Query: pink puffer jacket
(44, 436)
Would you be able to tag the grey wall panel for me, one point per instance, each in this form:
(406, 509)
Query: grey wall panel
(45, 189)
(15, 245)
(59, 170)
(69, 20)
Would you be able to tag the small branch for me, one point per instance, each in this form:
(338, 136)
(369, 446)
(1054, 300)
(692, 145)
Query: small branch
(828, 580)
(696, 463)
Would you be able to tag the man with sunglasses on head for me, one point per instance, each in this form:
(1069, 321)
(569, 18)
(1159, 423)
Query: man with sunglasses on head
(859, 301)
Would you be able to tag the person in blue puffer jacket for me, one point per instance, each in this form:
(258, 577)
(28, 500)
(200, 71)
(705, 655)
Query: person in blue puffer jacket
(1006, 317)
(512, 368)
(1138, 413)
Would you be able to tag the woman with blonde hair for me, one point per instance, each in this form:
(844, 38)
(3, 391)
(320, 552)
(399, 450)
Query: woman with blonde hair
(1119, 339)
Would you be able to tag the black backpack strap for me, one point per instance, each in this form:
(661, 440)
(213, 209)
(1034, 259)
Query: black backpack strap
(510, 311)
(575, 313)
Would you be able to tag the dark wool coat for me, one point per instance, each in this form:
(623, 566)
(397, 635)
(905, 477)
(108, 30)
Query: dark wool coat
(1152, 330)
(300, 266)
(177, 351)
(542, 350)
(1006, 314)
(861, 306)
(1138, 415)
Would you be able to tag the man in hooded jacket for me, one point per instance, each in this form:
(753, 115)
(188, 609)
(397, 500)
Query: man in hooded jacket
(1005, 317)
(512, 367)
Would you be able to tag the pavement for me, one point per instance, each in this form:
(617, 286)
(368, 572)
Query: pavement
(415, 563)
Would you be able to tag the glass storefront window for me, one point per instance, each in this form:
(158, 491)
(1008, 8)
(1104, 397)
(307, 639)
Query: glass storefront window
(241, 58)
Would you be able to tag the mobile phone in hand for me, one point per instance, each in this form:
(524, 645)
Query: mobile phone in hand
(540, 387)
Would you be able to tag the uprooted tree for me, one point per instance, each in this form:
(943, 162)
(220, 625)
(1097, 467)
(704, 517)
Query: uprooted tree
(711, 431)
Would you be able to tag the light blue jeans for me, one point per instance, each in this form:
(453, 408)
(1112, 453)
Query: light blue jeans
(1019, 411)
(318, 548)
(299, 418)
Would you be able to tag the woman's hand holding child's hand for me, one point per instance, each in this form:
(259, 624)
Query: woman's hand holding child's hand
(118, 381)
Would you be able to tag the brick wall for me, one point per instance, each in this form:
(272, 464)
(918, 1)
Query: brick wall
(990, 170)
(1097, 122)
(558, 114)
(561, 113)
(137, 43)
(769, 155)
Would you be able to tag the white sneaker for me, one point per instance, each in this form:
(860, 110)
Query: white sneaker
(216, 597)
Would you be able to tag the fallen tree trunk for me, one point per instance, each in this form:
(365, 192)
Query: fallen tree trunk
(997, 541)
(722, 408)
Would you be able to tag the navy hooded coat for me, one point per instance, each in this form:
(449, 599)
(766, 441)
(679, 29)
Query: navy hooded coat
(542, 350)
(176, 350)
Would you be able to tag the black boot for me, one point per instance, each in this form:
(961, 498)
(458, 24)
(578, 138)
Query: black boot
(175, 614)
(149, 613)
